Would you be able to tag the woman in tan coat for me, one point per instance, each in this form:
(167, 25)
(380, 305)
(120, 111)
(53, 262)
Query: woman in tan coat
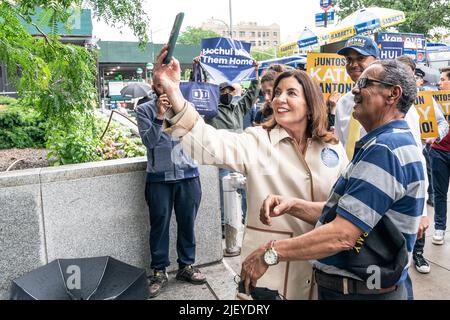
(293, 155)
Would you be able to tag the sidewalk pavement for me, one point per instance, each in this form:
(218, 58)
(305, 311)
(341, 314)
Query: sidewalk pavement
(221, 285)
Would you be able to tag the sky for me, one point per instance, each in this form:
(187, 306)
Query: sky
(292, 16)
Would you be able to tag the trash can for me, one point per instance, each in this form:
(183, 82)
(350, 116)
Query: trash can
(232, 200)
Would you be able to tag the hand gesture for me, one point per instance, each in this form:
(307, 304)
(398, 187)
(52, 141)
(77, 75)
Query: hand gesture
(166, 75)
(162, 104)
(253, 268)
(332, 100)
(274, 206)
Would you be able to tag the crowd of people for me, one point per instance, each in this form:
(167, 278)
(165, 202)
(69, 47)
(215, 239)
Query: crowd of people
(336, 190)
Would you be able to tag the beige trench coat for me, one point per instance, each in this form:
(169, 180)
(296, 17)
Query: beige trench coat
(272, 163)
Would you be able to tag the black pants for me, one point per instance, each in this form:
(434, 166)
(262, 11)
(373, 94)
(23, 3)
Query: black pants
(184, 197)
(440, 164)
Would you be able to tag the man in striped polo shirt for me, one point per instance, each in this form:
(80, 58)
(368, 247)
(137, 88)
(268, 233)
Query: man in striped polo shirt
(383, 185)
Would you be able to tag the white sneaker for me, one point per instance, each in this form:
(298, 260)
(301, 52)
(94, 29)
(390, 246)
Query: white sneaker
(438, 237)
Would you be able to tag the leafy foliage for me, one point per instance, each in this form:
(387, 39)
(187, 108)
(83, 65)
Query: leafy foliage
(5, 100)
(58, 79)
(421, 15)
(194, 35)
(21, 127)
(263, 54)
(118, 142)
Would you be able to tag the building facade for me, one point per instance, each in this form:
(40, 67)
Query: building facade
(261, 37)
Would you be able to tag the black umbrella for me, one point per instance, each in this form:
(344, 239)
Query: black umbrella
(136, 90)
(97, 278)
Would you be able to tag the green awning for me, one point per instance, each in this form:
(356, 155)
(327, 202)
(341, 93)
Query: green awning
(129, 52)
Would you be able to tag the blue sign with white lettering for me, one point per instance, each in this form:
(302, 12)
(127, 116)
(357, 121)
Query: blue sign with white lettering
(412, 44)
(226, 59)
(390, 50)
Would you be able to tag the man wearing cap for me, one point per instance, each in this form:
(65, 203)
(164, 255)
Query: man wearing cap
(419, 75)
(230, 116)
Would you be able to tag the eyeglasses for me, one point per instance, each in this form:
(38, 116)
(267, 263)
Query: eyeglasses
(364, 82)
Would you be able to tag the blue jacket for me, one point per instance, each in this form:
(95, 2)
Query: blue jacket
(166, 160)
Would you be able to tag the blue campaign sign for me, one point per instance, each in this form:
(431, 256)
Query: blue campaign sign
(324, 4)
(412, 44)
(390, 50)
(226, 59)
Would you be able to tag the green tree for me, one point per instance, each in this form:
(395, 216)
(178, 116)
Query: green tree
(263, 54)
(422, 16)
(58, 79)
(194, 35)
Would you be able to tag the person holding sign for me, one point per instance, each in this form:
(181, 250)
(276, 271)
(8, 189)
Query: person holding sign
(294, 155)
(440, 167)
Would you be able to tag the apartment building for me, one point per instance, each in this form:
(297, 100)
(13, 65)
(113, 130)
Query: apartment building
(260, 37)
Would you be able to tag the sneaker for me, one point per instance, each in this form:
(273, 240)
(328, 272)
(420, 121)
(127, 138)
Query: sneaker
(191, 274)
(438, 237)
(421, 264)
(158, 281)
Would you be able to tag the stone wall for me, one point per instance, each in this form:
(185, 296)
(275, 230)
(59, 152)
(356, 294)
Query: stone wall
(93, 209)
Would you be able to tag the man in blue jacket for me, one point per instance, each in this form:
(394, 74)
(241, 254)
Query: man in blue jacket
(172, 183)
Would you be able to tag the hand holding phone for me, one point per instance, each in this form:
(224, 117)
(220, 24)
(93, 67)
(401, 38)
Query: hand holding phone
(174, 36)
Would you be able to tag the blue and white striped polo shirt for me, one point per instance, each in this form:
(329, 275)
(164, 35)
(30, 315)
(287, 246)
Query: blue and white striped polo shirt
(385, 177)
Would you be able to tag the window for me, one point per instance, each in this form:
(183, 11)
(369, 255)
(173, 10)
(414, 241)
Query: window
(259, 43)
(259, 34)
(253, 43)
(241, 33)
(275, 43)
(253, 33)
(275, 33)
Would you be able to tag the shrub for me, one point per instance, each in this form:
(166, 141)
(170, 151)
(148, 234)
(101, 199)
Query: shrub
(118, 142)
(21, 127)
(4, 100)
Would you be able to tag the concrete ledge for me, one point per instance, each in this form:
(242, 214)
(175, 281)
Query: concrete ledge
(93, 169)
(92, 209)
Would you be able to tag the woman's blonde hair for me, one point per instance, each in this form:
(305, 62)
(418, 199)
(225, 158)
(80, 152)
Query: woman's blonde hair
(318, 119)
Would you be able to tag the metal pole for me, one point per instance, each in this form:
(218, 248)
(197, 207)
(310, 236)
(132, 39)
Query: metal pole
(231, 21)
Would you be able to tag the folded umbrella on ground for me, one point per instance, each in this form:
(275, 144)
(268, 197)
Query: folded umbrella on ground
(97, 278)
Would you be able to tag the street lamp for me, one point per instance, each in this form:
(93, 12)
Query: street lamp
(231, 22)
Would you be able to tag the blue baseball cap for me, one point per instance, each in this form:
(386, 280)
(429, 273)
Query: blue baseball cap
(361, 44)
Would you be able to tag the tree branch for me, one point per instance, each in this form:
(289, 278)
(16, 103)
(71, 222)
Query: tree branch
(38, 29)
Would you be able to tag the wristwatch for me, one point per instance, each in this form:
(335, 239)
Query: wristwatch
(271, 255)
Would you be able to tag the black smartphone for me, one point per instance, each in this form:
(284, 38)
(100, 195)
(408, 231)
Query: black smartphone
(174, 36)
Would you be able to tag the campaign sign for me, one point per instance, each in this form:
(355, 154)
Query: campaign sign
(428, 123)
(390, 50)
(225, 59)
(328, 70)
(413, 44)
(442, 98)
